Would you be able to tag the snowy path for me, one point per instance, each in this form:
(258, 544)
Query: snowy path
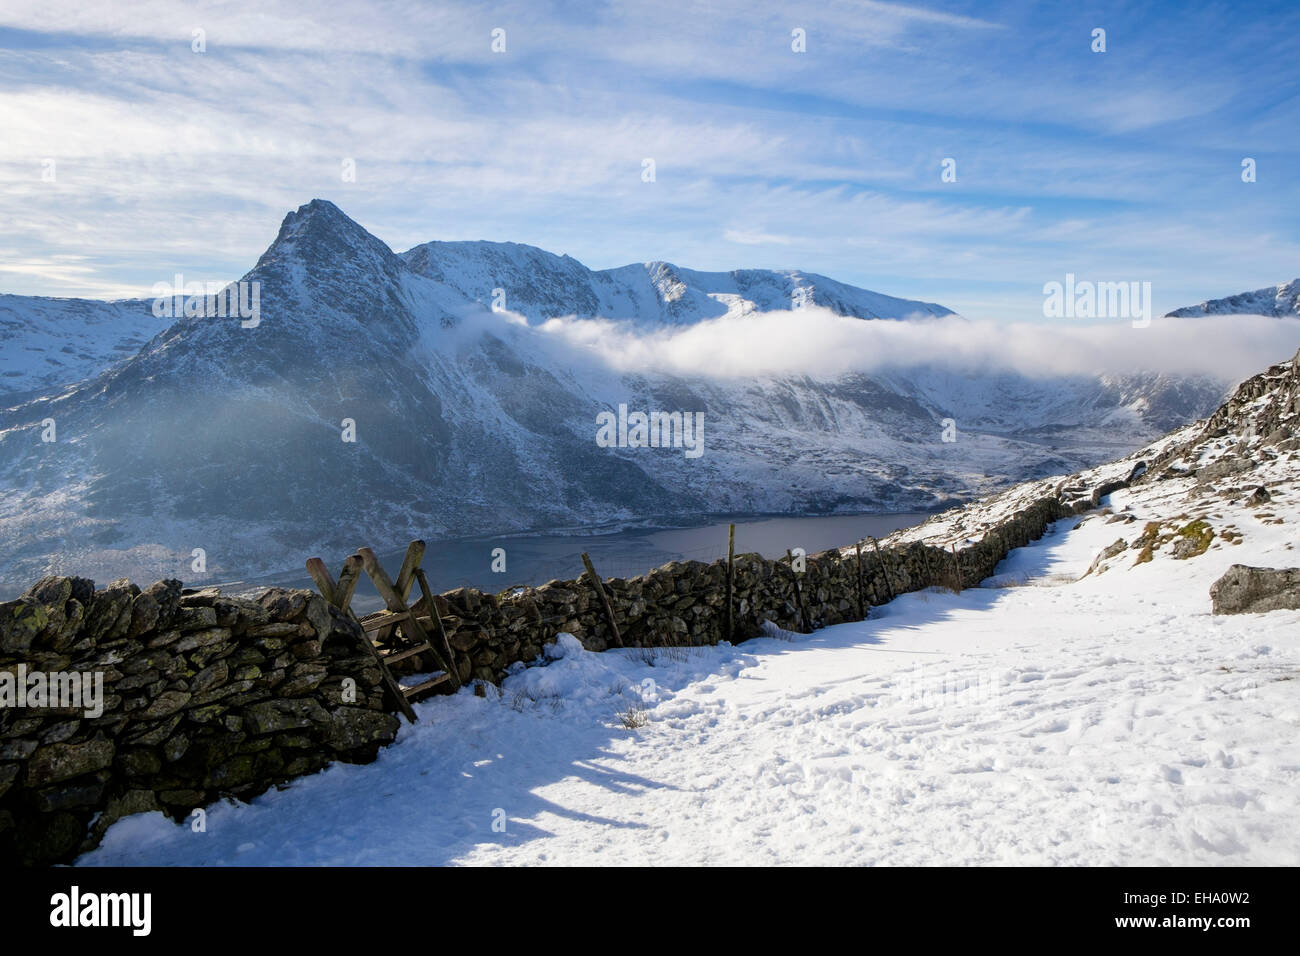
(1107, 720)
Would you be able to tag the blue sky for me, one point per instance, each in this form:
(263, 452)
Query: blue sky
(1123, 165)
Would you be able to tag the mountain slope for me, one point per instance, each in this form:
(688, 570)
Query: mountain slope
(467, 422)
(46, 343)
(1278, 300)
(541, 285)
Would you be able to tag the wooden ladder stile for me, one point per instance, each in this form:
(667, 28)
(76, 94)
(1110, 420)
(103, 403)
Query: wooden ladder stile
(397, 617)
(339, 594)
(394, 596)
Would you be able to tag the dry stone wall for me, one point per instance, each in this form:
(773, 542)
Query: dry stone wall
(203, 696)
(208, 696)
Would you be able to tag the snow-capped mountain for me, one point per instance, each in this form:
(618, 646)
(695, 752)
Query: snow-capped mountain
(1278, 300)
(541, 285)
(381, 398)
(45, 343)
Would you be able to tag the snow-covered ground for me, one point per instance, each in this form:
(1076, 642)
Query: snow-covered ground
(1074, 718)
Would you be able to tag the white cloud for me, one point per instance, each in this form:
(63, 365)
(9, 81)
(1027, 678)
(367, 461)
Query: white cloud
(819, 343)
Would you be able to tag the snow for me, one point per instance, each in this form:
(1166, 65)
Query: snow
(1282, 299)
(541, 285)
(50, 343)
(514, 406)
(1102, 718)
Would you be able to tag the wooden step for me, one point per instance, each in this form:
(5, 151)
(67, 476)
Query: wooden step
(411, 692)
(409, 652)
(382, 619)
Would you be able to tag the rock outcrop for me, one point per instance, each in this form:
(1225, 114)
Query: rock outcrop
(1247, 590)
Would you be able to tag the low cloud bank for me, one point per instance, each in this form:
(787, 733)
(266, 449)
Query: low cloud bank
(817, 342)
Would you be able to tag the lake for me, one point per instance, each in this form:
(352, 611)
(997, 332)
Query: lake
(536, 559)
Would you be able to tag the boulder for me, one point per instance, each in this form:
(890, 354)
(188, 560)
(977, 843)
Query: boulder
(1247, 590)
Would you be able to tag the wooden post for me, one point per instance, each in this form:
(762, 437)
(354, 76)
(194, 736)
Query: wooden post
(443, 647)
(956, 560)
(731, 583)
(403, 584)
(929, 568)
(347, 583)
(405, 576)
(798, 594)
(862, 607)
(883, 566)
(604, 600)
(324, 580)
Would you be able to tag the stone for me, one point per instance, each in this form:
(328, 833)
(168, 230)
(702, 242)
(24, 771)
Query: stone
(51, 591)
(239, 613)
(155, 733)
(132, 801)
(1225, 467)
(166, 704)
(144, 614)
(351, 728)
(164, 639)
(81, 794)
(202, 715)
(109, 614)
(283, 605)
(302, 679)
(220, 693)
(464, 639)
(59, 762)
(173, 749)
(273, 630)
(203, 638)
(167, 595)
(273, 716)
(139, 763)
(20, 622)
(182, 798)
(318, 615)
(200, 597)
(58, 732)
(195, 618)
(211, 676)
(234, 772)
(1248, 590)
(1259, 496)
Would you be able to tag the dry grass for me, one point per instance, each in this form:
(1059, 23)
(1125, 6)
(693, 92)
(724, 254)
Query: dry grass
(634, 717)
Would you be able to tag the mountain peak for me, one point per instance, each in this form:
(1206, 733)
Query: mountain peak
(318, 219)
(322, 241)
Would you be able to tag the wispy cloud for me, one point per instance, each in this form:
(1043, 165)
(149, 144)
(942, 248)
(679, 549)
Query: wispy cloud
(826, 160)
